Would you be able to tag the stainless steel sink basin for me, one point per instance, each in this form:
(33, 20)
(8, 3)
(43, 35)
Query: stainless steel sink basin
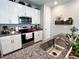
(55, 51)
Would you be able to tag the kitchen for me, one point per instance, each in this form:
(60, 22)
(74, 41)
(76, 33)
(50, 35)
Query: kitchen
(19, 22)
(36, 29)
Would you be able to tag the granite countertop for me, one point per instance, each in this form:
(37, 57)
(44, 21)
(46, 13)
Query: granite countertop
(31, 52)
(34, 30)
(3, 35)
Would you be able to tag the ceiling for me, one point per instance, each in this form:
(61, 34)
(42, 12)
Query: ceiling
(48, 2)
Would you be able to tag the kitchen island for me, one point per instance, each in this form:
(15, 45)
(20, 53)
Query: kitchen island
(36, 51)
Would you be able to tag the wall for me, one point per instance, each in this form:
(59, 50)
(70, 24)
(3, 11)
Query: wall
(70, 9)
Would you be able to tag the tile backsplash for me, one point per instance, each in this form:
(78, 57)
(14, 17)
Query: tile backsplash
(14, 26)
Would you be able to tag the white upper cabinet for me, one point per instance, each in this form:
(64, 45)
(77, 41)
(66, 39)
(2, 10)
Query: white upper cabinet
(12, 12)
(24, 10)
(21, 10)
(8, 12)
(28, 11)
(35, 16)
(3, 11)
(38, 16)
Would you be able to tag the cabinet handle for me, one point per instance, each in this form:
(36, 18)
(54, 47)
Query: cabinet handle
(38, 34)
(12, 41)
(45, 29)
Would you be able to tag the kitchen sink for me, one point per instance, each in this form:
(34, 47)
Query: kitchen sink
(55, 51)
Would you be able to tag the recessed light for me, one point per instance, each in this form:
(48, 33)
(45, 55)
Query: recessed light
(55, 3)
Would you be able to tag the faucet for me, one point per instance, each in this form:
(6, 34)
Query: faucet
(56, 38)
(54, 41)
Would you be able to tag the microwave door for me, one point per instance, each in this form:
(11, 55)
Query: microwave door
(19, 20)
(25, 20)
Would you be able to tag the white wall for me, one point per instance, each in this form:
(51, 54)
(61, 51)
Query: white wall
(70, 9)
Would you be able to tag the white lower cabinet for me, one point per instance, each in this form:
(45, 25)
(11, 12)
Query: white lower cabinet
(6, 44)
(17, 42)
(12, 12)
(38, 36)
(10, 43)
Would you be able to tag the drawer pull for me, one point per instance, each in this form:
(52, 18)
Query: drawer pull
(12, 41)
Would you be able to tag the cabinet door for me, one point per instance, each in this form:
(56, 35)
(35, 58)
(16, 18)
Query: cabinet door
(38, 16)
(21, 10)
(17, 42)
(37, 36)
(6, 44)
(35, 16)
(13, 12)
(3, 11)
(40, 35)
(47, 22)
(28, 11)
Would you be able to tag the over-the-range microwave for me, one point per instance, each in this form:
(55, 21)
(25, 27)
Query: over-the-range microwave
(25, 20)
